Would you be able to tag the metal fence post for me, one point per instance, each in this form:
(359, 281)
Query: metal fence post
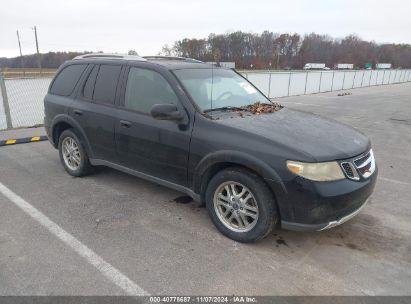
(6, 106)
(305, 87)
(332, 82)
(269, 84)
(319, 86)
(369, 82)
(353, 81)
(289, 81)
(362, 78)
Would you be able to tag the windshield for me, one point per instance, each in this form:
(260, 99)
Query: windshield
(218, 88)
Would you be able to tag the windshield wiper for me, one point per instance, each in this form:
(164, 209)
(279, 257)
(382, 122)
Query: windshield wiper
(225, 108)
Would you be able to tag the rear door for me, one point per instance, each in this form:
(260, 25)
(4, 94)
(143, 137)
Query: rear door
(94, 109)
(61, 93)
(159, 148)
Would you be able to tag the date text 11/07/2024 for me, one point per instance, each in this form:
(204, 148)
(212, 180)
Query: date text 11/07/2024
(203, 299)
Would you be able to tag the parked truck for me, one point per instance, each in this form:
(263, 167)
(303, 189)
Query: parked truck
(344, 66)
(381, 66)
(314, 66)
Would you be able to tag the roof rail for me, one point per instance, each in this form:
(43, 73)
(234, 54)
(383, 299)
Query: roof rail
(109, 56)
(172, 58)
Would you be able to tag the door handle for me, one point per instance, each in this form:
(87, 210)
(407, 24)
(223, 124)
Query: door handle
(125, 123)
(78, 112)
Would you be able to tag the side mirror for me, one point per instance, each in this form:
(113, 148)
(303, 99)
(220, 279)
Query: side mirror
(166, 112)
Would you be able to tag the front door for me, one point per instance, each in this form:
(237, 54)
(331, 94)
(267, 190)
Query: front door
(159, 148)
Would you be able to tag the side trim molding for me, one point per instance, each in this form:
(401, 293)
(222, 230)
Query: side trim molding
(189, 192)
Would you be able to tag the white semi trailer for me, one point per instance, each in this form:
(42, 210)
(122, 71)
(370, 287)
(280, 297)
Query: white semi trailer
(380, 66)
(314, 66)
(344, 66)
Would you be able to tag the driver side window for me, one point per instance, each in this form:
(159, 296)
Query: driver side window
(146, 88)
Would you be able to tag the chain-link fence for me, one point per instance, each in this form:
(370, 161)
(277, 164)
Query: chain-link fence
(21, 102)
(21, 99)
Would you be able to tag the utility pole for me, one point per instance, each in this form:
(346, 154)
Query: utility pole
(37, 47)
(21, 54)
(278, 57)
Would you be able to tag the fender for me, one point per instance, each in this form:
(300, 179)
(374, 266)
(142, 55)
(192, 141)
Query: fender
(77, 128)
(241, 158)
(269, 175)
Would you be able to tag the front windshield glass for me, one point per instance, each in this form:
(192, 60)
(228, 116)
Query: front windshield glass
(218, 88)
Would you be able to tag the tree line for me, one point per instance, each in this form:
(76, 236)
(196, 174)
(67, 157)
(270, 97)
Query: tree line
(276, 50)
(259, 51)
(48, 60)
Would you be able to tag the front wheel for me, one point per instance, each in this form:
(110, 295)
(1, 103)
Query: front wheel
(240, 205)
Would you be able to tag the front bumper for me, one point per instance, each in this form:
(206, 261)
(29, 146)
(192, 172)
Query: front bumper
(323, 205)
(319, 227)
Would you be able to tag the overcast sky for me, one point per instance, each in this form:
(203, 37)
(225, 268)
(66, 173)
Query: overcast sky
(145, 26)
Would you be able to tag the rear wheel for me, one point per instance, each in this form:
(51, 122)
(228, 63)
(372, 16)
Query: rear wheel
(240, 205)
(73, 156)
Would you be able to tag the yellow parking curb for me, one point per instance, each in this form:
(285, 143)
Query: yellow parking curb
(9, 142)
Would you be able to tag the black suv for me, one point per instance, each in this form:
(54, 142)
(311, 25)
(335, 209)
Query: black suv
(187, 125)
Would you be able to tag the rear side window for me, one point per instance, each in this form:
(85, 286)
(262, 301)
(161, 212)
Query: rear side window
(88, 88)
(106, 83)
(146, 88)
(67, 79)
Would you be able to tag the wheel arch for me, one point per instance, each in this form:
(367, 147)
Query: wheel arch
(64, 122)
(211, 164)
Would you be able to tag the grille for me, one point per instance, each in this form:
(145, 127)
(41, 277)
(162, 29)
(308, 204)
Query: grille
(363, 166)
(366, 164)
(359, 161)
(350, 170)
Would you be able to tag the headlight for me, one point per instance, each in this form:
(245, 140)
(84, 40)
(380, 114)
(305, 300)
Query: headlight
(321, 172)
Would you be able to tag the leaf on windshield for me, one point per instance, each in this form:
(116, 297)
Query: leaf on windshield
(260, 108)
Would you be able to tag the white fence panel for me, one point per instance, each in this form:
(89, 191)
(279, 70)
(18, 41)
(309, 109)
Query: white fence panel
(313, 82)
(338, 81)
(297, 83)
(366, 78)
(392, 76)
(407, 76)
(348, 80)
(326, 81)
(373, 79)
(398, 76)
(261, 81)
(380, 77)
(26, 100)
(386, 77)
(358, 79)
(279, 84)
(403, 77)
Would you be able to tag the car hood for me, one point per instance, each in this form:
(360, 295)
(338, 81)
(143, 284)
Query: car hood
(322, 138)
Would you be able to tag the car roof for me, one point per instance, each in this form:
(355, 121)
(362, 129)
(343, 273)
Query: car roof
(178, 64)
(168, 62)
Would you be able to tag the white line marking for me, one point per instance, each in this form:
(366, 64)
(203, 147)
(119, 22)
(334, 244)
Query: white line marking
(393, 181)
(109, 271)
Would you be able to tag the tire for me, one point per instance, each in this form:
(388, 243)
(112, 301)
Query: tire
(79, 165)
(261, 205)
